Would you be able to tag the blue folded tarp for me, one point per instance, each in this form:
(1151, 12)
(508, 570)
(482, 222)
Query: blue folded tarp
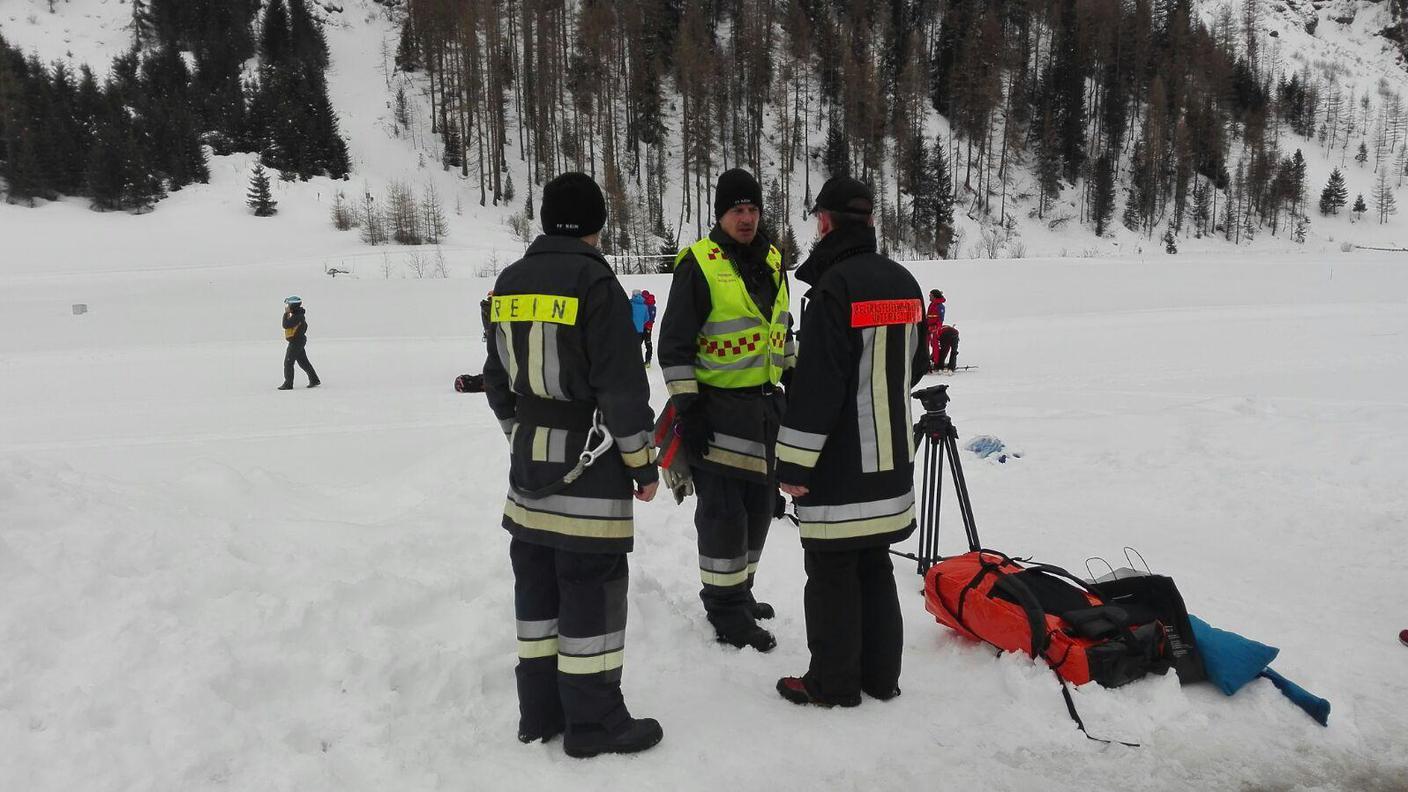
(1233, 660)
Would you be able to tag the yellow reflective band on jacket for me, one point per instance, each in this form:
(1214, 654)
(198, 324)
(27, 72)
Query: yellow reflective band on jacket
(852, 520)
(290, 332)
(591, 527)
(739, 346)
(534, 308)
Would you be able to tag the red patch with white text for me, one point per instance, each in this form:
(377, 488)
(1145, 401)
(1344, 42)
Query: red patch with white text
(875, 313)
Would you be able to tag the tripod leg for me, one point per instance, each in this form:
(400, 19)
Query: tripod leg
(960, 485)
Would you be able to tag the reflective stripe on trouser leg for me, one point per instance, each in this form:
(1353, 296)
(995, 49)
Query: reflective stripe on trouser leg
(591, 636)
(721, 519)
(535, 603)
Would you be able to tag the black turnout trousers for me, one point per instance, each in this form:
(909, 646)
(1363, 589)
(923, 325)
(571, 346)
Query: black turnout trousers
(298, 353)
(854, 627)
(571, 613)
(732, 517)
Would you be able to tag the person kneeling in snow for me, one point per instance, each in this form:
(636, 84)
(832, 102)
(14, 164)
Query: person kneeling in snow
(845, 452)
(948, 349)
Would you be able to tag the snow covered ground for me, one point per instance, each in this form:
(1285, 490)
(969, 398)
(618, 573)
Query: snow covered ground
(209, 584)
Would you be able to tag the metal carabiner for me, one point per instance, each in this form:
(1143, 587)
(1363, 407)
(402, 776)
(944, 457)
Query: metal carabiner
(591, 454)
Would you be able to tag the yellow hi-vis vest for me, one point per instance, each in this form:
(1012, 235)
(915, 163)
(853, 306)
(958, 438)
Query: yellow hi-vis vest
(739, 347)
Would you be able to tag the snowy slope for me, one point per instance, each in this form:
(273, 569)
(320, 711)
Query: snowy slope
(362, 35)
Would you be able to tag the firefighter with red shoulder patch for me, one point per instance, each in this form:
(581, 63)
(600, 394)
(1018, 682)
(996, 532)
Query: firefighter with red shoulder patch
(725, 345)
(564, 377)
(845, 452)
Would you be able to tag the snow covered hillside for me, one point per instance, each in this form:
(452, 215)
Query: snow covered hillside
(362, 35)
(209, 584)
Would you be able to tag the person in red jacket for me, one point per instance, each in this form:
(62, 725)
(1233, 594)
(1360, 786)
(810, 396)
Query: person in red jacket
(934, 319)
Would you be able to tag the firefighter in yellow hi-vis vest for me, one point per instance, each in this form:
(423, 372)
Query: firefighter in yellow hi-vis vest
(725, 345)
(564, 377)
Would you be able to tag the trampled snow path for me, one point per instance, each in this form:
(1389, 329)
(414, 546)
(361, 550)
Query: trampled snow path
(208, 584)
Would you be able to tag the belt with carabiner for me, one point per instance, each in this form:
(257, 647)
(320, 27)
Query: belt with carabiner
(571, 416)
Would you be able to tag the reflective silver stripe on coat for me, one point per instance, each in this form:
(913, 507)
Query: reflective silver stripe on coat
(729, 326)
(912, 342)
(552, 366)
(752, 361)
(739, 444)
(847, 512)
(880, 400)
(865, 410)
(557, 445)
(632, 443)
(536, 630)
(576, 505)
(592, 645)
(808, 441)
(673, 373)
(535, 359)
(504, 336)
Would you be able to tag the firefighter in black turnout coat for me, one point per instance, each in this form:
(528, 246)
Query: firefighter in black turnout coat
(563, 371)
(296, 333)
(845, 452)
(725, 343)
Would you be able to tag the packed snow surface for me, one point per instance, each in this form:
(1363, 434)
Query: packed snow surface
(208, 584)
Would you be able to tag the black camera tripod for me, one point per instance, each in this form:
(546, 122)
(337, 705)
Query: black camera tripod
(935, 434)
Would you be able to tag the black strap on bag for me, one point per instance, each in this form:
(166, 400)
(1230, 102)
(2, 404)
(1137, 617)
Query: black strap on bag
(1075, 716)
(1020, 593)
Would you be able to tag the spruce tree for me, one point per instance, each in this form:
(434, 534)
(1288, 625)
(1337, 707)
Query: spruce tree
(260, 197)
(943, 187)
(1359, 207)
(1102, 202)
(1335, 194)
(1363, 155)
(308, 43)
(838, 151)
(275, 44)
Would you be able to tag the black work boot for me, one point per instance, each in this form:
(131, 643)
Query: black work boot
(544, 733)
(880, 692)
(762, 610)
(752, 635)
(795, 690)
(632, 736)
(286, 386)
(315, 383)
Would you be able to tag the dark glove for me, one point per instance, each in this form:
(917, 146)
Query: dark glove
(692, 427)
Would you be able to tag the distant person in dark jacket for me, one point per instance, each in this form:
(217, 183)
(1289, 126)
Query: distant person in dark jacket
(296, 333)
(948, 349)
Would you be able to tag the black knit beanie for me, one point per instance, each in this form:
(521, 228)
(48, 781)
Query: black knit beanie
(736, 187)
(572, 206)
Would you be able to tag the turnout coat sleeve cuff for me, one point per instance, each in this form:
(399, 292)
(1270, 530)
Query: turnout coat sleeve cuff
(797, 454)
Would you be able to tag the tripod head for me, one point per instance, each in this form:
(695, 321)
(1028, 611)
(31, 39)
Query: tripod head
(934, 398)
(934, 423)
